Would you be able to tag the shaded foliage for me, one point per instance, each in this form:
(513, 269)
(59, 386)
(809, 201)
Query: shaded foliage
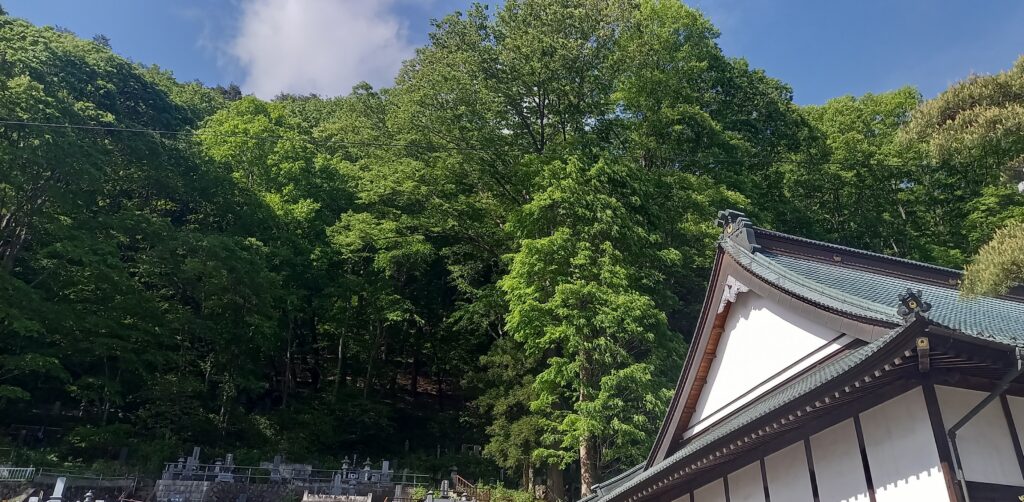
(506, 248)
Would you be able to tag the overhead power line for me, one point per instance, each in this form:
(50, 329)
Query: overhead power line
(331, 142)
(250, 137)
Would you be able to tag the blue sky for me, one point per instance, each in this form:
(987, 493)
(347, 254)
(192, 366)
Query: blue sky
(821, 48)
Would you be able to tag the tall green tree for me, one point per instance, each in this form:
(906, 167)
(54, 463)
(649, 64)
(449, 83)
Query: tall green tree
(587, 292)
(852, 180)
(684, 105)
(970, 143)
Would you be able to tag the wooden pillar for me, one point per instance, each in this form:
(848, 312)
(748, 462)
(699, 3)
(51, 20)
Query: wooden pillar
(931, 401)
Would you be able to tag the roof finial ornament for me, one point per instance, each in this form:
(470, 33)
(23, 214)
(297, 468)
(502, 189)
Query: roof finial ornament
(911, 303)
(737, 228)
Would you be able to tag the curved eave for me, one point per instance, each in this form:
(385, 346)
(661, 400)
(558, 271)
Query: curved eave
(810, 291)
(857, 311)
(803, 393)
(709, 296)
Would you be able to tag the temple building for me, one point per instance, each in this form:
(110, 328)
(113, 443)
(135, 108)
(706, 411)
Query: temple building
(823, 373)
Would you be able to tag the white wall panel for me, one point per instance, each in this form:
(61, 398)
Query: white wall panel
(746, 485)
(838, 469)
(986, 449)
(901, 451)
(760, 340)
(788, 478)
(1017, 411)
(711, 492)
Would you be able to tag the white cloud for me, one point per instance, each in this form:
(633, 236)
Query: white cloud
(321, 46)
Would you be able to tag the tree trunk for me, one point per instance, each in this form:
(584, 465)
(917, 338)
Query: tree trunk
(287, 383)
(373, 355)
(588, 451)
(440, 390)
(316, 371)
(16, 219)
(338, 377)
(414, 378)
(556, 483)
(528, 477)
(227, 393)
(588, 466)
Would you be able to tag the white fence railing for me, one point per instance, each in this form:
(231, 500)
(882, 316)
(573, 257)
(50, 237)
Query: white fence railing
(13, 474)
(311, 497)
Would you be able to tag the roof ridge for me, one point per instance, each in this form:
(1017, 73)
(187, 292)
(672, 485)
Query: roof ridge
(809, 289)
(862, 252)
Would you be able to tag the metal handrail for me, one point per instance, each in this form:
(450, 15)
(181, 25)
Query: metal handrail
(464, 486)
(261, 474)
(15, 474)
(66, 473)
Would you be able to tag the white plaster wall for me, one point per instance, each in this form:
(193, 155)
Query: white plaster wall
(901, 451)
(837, 465)
(760, 339)
(711, 492)
(986, 449)
(1017, 411)
(787, 475)
(745, 485)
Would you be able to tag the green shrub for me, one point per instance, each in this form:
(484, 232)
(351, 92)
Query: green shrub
(419, 493)
(502, 494)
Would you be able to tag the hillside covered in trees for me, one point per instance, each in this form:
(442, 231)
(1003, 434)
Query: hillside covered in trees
(506, 248)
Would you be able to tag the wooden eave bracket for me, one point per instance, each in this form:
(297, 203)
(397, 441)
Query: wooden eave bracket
(923, 354)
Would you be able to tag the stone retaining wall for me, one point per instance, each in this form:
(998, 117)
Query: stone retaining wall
(208, 491)
(71, 492)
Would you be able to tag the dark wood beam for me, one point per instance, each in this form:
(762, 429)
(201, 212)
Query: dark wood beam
(868, 480)
(700, 377)
(931, 402)
(764, 481)
(810, 424)
(1012, 426)
(810, 469)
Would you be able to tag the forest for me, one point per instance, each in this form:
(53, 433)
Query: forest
(505, 248)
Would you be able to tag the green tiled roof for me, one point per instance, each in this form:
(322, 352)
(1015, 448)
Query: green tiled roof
(770, 270)
(862, 293)
(764, 406)
(876, 295)
(612, 484)
(994, 319)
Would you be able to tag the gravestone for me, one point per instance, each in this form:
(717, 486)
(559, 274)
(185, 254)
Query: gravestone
(58, 490)
(275, 470)
(225, 474)
(336, 484)
(191, 464)
(173, 470)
